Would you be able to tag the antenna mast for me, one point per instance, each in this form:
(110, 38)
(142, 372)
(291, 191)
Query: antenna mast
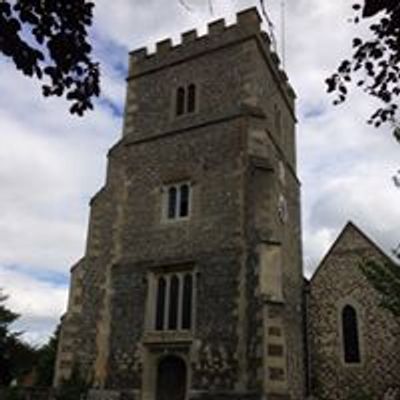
(211, 7)
(283, 32)
(270, 25)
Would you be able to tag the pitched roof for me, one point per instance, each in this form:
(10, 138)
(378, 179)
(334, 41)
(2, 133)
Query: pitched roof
(350, 226)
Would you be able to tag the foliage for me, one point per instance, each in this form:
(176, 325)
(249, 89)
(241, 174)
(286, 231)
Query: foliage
(46, 360)
(12, 394)
(16, 357)
(375, 62)
(7, 317)
(396, 181)
(73, 388)
(48, 39)
(385, 278)
(22, 357)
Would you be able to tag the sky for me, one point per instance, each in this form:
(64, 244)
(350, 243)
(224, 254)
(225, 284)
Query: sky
(52, 163)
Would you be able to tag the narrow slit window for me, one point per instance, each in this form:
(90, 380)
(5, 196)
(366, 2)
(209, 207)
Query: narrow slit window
(184, 201)
(180, 101)
(176, 201)
(191, 101)
(173, 303)
(172, 202)
(351, 345)
(187, 302)
(160, 307)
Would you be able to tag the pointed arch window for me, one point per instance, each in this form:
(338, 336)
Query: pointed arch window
(186, 99)
(180, 101)
(187, 302)
(172, 201)
(174, 301)
(350, 335)
(184, 201)
(177, 198)
(191, 100)
(160, 309)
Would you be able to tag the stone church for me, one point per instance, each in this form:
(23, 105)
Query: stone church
(192, 284)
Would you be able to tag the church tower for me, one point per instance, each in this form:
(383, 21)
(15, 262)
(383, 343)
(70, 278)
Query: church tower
(191, 284)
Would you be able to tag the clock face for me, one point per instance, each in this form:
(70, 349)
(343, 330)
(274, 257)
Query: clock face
(283, 209)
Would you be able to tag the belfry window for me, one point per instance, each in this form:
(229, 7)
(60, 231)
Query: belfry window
(180, 101)
(172, 202)
(186, 98)
(177, 201)
(184, 201)
(191, 100)
(174, 301)
(350, 334)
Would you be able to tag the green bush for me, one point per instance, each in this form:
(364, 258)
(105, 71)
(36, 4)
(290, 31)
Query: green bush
(74, 388)
(11, 394)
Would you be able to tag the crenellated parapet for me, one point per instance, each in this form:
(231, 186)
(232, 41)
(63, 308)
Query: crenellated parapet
(248, 22)
(219, 35)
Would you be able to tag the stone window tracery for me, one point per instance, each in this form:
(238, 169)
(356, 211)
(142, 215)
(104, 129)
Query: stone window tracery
(186, 100)
(177, 201)
(174, 301)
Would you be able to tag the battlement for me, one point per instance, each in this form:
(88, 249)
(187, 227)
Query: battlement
(218, 36)
(248, 21)
(248, 25)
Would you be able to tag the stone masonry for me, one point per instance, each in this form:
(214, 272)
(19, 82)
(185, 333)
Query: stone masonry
(339, 281)
(191, 286)
(241, 241)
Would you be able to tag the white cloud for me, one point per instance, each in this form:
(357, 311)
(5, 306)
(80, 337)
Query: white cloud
(40, 303)
(52, 163)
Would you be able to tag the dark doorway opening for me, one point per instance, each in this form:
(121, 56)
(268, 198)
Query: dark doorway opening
(171, 379)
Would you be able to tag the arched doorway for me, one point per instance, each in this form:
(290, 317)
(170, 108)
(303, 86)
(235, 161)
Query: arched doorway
(171, 379)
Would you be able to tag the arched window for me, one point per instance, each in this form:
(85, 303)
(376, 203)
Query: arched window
(173, 303)
(184, 201)
(187, 302)
(186, 99)
(191, 100)
(177, 199)
(160, 307)
(172, 202)
(351, 345)
(180, 101)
